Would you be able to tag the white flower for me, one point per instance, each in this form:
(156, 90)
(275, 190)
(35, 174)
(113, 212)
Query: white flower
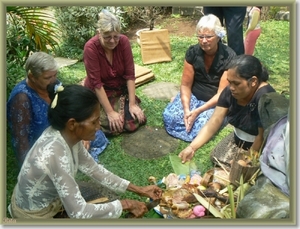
(221, 33)
(58, 88)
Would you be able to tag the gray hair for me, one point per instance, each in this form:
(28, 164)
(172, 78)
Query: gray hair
(108, 22)
(39, 62)
(211, 22)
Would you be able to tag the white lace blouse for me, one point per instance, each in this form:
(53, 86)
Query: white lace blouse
(49, 172)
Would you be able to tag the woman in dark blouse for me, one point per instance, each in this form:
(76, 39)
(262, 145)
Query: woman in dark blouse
(203, 79)
(110, 72)
(238, 103)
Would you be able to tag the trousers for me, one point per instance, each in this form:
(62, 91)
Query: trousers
(233, 18)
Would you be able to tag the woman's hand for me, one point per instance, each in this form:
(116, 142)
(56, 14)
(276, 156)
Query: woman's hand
(189, 119)
(191, 116)
(116, 121)
(186, 116)
(137, 113)
(136, 208)
(151, 191)
(187, 154)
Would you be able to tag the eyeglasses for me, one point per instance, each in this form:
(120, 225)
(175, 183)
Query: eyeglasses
(207, 37)
(108, 38)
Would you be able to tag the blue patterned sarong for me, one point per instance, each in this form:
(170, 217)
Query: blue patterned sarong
(174, 121)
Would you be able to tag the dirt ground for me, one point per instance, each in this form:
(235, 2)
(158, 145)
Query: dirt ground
(183, 26)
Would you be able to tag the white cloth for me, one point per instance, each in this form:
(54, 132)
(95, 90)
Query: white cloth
(243, 135)
(49, 171)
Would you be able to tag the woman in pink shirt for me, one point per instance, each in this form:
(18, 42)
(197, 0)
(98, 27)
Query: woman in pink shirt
(253, 30)
(109, 66)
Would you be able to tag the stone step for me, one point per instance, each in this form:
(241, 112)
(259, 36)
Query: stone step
(63, 62)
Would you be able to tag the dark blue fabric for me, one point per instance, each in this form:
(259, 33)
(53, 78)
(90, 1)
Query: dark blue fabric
(37, 110)
(233, 18)
(98, 145)
(174, 121)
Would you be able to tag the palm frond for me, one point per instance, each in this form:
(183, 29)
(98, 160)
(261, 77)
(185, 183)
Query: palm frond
(41, 25)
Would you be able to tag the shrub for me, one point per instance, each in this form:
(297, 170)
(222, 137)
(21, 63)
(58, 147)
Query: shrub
(15, 73)
(78, 25)
(146, 14)
(29, 29)
(269, 12)
(18, 44)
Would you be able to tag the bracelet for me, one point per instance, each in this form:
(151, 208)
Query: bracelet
(192, 148)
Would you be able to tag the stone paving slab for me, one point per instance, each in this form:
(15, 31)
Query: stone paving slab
(161, 90)
(63, 62)
(149, 142)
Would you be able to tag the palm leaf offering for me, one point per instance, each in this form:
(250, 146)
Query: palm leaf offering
(188, 195)
(179, 168)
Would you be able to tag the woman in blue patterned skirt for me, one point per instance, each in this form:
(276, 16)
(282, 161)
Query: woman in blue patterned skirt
(203, 79)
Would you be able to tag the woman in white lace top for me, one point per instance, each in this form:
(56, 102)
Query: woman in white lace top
(46, 182)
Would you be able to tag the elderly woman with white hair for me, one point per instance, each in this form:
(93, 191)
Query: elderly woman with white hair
(203, 79)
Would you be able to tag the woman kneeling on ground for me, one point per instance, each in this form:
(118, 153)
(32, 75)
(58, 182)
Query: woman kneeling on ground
(203, 79)
(238, 103)
(109, 65)
(46, 182)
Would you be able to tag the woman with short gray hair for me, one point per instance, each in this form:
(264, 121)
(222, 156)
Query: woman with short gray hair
(204, 77)
(28, 103)
(40, 62)
(108, 22)
(110, 72)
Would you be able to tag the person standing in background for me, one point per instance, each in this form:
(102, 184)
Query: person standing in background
(234, 18)
(253, 29)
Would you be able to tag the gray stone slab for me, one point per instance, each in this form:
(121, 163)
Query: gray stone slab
(161, 90)
(62, 62)
(149, 142)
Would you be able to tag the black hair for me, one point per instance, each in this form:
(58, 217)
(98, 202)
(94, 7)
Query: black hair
(247, 66)
(75, 101)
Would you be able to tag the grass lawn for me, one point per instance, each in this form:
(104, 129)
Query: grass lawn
(273, 49)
